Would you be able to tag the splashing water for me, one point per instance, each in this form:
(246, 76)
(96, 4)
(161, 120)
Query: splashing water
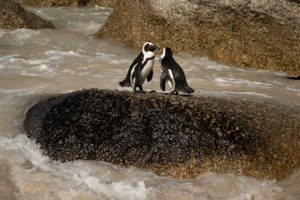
(39, 62)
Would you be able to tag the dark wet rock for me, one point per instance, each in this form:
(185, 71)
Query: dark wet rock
(296, 1)
(54, 3)
(104, 3)
(261, 34)
(294, 77)
(177, 136)
(75, 3)
(14, 16)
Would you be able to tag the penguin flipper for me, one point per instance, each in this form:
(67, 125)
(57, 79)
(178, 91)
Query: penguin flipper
(127, 81)
(137, 74)
(163, 79)
(149, 77)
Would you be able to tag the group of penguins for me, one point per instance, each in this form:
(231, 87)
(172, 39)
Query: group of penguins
(142, 68)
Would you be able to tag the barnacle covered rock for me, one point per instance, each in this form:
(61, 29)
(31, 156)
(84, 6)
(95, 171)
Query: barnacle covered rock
(177, 136)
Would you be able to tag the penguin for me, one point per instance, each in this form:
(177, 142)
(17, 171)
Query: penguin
(173, 74)
(141, 68)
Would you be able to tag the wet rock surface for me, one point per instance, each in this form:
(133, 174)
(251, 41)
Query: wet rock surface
(14, 16)
(75, 3)
(177, 136)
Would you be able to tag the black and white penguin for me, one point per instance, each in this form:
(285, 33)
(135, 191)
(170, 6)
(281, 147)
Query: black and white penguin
(141, 68)
(173, 74)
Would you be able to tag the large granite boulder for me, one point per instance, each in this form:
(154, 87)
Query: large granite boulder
(177, 136)
(14, 16)
(261, 34)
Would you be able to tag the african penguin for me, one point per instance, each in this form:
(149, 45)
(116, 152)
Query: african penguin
(141, 68)
(173, 74)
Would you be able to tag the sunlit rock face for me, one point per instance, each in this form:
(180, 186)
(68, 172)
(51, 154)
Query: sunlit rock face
(177, 136)
(258, 33)
(262, 34)
(14, 16)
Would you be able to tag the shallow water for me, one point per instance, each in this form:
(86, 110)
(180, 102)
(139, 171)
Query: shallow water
(39, 62)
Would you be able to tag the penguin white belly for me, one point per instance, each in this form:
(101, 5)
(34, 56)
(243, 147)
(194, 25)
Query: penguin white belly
(132, 79)
(171, 83)
(146, 70)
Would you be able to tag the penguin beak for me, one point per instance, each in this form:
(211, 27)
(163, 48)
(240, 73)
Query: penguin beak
(157, 48)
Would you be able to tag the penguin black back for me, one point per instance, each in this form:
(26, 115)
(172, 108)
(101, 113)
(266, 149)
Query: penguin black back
(173, 73)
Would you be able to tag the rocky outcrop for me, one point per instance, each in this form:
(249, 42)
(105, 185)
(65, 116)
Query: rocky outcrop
(261, 34)
(13, 16)
(75, 3)
(177, 136)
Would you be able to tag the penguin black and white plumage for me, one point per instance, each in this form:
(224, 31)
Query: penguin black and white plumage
(173, 74)
(141, 68)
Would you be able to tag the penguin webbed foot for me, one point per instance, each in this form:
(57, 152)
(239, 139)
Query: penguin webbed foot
(173, 93)
(140, 89)
(152, 91)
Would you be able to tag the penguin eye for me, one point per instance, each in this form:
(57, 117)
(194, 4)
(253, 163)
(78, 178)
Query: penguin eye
(149, 47)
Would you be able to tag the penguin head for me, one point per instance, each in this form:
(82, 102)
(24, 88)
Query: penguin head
(166, 53)
(149, 46)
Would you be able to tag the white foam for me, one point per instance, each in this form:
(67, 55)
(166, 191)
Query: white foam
(93, 27)
(234, 93)
(8, 57)
(2, 33)
(230, 81)
(222, 82)
(23, 34)
(37, 61)
(69, 71)
(217, 67)
(24, 91)
(37, 176)
(17, 59)
(130, 189)
(246, 93)
(43, 67)
(64, 53)
(101, 8)
(297, 91)
(61, 179)
(10, 91)
(39, 71)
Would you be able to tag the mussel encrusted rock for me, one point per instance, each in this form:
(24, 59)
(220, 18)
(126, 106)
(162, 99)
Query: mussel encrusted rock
(177, 136)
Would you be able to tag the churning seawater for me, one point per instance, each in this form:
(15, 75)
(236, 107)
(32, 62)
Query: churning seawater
(39, 62)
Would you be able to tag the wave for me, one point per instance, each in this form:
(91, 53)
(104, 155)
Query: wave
(38, 177)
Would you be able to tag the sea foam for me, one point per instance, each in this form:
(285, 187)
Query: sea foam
(38, 177)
